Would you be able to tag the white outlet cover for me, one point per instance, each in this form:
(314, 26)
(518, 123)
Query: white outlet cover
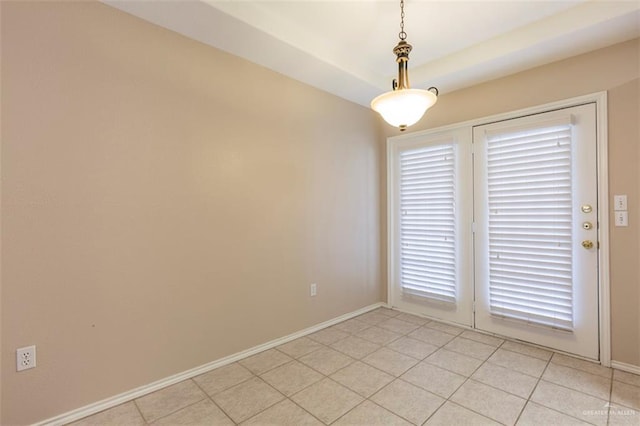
(26, 358)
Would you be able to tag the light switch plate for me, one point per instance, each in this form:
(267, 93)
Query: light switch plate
(622, 218)
(619, 203)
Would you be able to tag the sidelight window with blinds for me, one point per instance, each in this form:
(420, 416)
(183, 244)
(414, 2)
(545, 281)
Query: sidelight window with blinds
(529, 189)
(427, 222)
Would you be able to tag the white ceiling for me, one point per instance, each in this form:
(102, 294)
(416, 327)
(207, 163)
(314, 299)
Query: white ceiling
(345, 47)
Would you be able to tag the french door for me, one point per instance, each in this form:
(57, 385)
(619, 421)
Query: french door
(536, 229)
(495, 227)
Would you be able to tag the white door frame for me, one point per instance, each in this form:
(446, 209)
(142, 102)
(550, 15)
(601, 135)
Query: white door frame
(600, 99)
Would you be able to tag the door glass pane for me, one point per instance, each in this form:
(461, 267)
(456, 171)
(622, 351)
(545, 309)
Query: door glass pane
(529, 178)
(428, 223)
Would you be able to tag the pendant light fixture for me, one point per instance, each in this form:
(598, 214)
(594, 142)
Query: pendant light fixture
(404, 106)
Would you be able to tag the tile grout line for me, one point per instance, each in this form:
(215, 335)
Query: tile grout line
(210, 397)
(255, 376)
(561, 412)
(467, 378)
(306, 353)
(382, 345)
(573, 390)
(181, 408)
(289, 398)
(361, 360)
(265, 408)
(303, 409)
(445, 400)
(269, 369)
(324, 376)
(534, 389)
(139, 412)
(395, 378)
(398, 414)
(540, 379)
(353, 360)
(528, 399)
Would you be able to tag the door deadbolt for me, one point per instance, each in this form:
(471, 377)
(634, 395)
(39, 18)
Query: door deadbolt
(587, 225)
(587, 244)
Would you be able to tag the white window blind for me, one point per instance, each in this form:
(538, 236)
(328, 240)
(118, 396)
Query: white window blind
(530, 225)
(427, 222)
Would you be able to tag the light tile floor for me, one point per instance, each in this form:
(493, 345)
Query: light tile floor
(392, 368)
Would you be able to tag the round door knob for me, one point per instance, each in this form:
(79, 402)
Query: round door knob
(587, 244)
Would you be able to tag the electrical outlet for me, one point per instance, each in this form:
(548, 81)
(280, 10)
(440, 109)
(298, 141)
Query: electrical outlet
(26, 358)
(313, 289)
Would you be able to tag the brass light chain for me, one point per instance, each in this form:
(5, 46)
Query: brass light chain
(402, 34)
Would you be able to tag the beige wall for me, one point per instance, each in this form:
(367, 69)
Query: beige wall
(617, 70)
(624, 178)
(166, 204)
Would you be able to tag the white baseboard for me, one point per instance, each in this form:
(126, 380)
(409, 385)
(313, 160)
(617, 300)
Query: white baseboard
(629, 368)
(96, 407)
